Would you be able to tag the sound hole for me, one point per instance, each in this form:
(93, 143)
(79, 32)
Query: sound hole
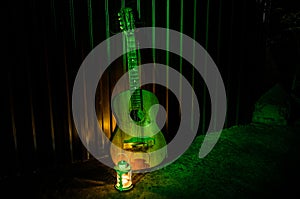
(137, 115)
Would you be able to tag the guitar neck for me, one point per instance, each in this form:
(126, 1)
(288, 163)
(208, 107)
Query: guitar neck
(134, 76)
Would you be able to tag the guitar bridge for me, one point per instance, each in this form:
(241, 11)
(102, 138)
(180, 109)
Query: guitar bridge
(138, 144)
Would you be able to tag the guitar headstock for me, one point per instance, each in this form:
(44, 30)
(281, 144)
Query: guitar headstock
(126, 20)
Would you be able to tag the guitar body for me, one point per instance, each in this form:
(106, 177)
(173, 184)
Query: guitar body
(141, 150)
(137, 138)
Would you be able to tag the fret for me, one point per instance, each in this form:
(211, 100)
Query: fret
(133, 69)
(132, 53)
(134, 75)
(134, 84)
(132, 64)
(136, 98)
(131, 39)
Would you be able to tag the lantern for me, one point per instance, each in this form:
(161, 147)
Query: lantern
(124, 173)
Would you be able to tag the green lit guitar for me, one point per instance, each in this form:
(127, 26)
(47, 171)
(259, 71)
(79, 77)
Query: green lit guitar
(142, 149)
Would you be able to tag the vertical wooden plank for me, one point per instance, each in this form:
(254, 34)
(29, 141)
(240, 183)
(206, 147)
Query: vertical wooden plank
(230, 83)
(90, 19)
(204, 111)
(193, 69)
(153, 18)
(218, 54)
(69, 119)
(13, 124)
(33, 125)
(167, 60)
(72, 16)
(50, 106)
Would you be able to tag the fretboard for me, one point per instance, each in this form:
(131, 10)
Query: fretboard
(134, 79)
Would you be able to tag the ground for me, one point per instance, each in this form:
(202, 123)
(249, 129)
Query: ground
(248, 161)
(255, 160)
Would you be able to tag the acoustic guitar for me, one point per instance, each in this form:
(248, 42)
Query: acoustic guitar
(140, 146)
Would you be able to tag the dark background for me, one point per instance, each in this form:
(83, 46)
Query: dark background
(46, 46)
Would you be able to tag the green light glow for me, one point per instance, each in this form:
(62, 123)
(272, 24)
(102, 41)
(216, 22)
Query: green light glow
(167, 55)
(153, 43)
(90, 17)
(207, 25)
(218, 54)
(124, 44)
(124, 55)
(107, 33)
(219, 31)
(193, 72)
(138, 7)
(72, 16)
(180, 58)
(205, 67)
(228, 83)
(153, 32)
(167, 36)
(238, 100)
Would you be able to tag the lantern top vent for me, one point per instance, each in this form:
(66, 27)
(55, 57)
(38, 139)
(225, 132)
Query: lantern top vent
(123, 166)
